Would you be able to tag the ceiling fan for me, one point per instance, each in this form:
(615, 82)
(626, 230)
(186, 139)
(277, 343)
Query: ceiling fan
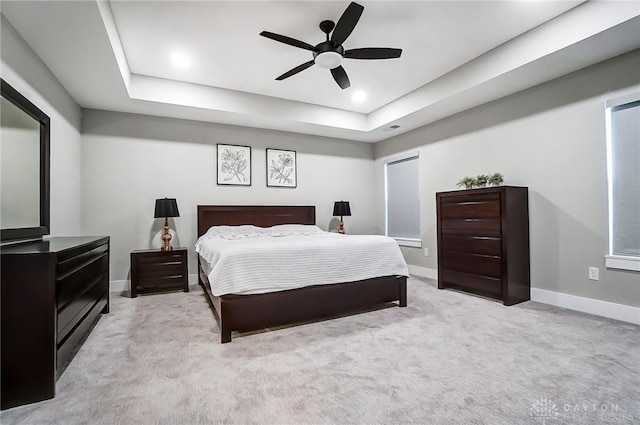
(329, 54)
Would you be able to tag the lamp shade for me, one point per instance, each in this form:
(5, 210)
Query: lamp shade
(341, 208)
(167, 207)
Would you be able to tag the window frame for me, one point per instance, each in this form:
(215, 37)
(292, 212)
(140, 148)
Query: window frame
(616, 261)
(402, 241)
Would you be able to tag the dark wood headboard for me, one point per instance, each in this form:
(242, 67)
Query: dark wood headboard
(258, 215)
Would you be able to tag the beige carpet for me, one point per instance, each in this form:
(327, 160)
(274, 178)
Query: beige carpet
(448, 358)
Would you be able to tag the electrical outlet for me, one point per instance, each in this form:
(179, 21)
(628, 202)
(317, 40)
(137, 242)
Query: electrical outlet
(426, 252)
(594, 273)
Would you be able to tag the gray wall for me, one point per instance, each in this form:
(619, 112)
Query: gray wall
(26, 73)
(130, 160)
(550, 138)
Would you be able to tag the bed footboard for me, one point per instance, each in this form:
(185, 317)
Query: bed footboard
(245, 313)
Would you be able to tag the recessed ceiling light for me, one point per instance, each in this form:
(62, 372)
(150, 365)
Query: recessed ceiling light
(359, 96)
(180, 60)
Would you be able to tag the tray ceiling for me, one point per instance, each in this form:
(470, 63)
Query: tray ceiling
(456, 55)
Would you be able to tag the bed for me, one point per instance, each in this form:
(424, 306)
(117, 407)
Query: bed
(244, 313)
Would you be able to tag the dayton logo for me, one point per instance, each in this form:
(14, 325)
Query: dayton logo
(543, 410)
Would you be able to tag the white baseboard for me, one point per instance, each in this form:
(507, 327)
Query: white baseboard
(611, 310)
(423, 272)
(120, 286)
(621, 312)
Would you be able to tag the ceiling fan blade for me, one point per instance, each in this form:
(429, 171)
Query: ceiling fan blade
(347, 23)
(341, 78)
(295, 70)
(287, 40)
(373, 53)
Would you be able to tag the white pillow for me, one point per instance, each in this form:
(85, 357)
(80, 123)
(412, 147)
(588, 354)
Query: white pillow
(250, 231)
(234, 232)
(292, 229)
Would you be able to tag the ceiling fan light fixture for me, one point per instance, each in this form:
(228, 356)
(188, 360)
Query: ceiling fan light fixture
(328, 60)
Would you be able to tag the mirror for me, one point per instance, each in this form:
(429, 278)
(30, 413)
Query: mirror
(24, 167)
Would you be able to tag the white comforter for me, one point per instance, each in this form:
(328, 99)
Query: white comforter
(274, 260)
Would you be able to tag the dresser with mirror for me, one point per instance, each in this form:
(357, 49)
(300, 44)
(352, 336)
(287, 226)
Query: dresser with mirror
(53, 289)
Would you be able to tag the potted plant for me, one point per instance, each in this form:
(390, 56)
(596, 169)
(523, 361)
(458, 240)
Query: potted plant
(481, 180)
(467, 182)
(496, 179)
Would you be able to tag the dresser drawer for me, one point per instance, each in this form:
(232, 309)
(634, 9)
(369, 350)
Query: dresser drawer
(471, 226)
(489, 208)
(449, 278)
(75, 281)
(483, 265)
(73, 312)
(80, 259)
(68, 348)
(485, 245)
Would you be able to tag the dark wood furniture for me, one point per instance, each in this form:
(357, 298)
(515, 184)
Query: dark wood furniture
(154, 270)
(39, 227)
(53, 292)
(252, 312)
(483, 242)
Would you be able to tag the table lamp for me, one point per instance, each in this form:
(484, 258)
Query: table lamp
(341, 208)
(167, 207)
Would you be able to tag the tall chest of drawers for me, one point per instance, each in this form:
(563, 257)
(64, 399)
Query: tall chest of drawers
(483, 242)
(53, 291)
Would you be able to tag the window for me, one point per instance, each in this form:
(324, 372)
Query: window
(623, 169)
(402, 199)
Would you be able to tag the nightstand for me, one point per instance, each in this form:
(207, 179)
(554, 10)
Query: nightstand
(153, 270)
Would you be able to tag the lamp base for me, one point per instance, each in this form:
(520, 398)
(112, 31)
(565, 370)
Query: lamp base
(341, 229)
(166, 237)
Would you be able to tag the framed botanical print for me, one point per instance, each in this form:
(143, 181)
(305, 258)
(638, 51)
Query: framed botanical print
(234, 165)
(281, 168)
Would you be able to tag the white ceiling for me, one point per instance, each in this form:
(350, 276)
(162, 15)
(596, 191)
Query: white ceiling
(222, 38)
(456, 55)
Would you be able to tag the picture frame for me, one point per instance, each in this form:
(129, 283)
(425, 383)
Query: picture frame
(234, 165)
(282, 168)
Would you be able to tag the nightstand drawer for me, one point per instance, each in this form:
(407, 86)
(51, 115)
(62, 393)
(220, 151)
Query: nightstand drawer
(159, 258)
(160, 269)
(154, 270)
(160, 283)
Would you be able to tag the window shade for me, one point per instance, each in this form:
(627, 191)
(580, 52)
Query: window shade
(403, 200)
(625, 175)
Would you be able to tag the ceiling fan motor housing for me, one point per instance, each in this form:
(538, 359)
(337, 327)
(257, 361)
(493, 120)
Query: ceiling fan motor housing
(327, 55)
